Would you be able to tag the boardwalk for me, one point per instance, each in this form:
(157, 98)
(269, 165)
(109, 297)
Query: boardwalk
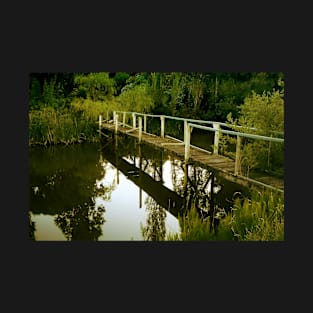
(222, 165)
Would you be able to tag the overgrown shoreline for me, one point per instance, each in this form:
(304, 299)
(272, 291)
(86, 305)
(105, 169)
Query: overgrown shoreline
(257, 218)
(49, 126)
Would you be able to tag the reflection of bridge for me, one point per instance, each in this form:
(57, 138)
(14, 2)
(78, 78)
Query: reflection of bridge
(167, 198)
(223, 166)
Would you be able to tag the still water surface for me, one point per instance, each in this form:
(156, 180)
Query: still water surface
(77, 194)
(96, 191)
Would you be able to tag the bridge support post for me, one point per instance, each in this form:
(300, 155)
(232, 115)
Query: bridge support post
(162, 125)
(140, 128)
(116, 123)
(124, 119)
(185, 130)
(237, 160)
(187, 141)
(134, 120)
(185, 176)
(216, 137)
(100, 123)
(145, 123)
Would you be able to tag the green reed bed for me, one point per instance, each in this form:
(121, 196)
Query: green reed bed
(70, 125)
(258, 218)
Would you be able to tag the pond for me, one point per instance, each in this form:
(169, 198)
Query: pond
(116, 190)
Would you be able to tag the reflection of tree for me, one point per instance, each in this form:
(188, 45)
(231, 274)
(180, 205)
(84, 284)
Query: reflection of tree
(155, 229)
(82, 222)
(65, 182)
(64, 177)
(205, 191)
(178, 176)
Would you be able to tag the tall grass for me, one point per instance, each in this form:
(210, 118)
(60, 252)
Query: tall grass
(258, 218)
(69, 125)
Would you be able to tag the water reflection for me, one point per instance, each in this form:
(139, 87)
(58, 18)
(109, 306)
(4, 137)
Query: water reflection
(155, 225)
(205, 190)
(120, 190)
(77, 194)
(63, 189)
(83, 222)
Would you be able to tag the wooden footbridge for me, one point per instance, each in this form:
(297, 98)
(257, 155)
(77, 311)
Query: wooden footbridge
(222, 165)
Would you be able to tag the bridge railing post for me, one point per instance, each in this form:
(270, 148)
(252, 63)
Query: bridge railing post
(116, 122)
(100, 123)
(124, 119)
(216, 137)
(162, 125)
(237, 160)
(187, 141)
(145, 123)
(140, 128)
(134, 120)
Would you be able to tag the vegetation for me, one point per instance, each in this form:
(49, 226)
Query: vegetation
(258, 218)
(261, 114)
(72, 101)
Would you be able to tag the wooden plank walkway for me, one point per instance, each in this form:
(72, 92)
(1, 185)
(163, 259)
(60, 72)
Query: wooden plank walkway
(221, 165)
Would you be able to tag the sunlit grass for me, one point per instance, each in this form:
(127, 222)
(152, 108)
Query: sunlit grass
(258, 218)
(78, 123)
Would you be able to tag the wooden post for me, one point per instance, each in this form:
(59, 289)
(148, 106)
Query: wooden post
(237, 161)
(134, 120)
(140, 128)
(185, 130)
(116, 123)
(212, 206)
(124, 117)
(140, 174)
(185, 176)
(269, 154)
(145, 123)
(216, 137)
(100, 123)
(114, 113)
(116, 160)
(187, 142)
(162, 125)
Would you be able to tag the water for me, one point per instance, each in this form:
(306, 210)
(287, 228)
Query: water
(117, 190)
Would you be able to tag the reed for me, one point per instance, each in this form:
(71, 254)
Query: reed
(257, 218)
(75, 124)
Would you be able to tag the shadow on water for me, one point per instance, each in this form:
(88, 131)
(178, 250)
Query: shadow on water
(65, 188)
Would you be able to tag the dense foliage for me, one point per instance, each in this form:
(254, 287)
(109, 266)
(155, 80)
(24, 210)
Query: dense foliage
(199, 95)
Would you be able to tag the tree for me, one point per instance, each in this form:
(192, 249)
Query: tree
(262, 114)
(136, 99)
(94, 86)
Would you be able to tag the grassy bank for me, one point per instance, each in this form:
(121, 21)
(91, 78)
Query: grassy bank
(259, 218)
(73, 124)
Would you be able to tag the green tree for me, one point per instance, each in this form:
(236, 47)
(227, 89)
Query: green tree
(120, 79)
(136, 99)
(265, 112)
(262, 114)
(94, 86)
